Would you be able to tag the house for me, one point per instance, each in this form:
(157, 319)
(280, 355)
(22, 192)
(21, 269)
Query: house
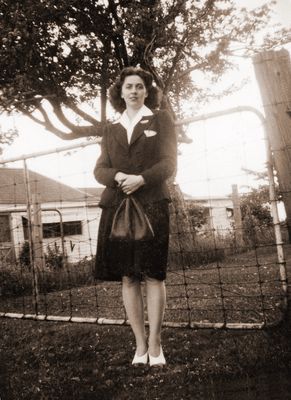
(92, 194)
(75, 211)
(217, 213)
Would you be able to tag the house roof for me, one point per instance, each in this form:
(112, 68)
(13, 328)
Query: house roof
(92, 195)
(12, 188)
(204, 198)
(92, 191)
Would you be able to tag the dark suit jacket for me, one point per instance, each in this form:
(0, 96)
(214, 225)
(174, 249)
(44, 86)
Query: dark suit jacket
(152, 153)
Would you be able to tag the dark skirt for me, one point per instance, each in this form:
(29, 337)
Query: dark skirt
(116, 259)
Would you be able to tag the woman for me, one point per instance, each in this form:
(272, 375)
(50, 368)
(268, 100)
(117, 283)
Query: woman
(138, 155)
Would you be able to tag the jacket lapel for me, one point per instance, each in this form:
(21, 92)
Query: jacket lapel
(143, 124)
(121, 135)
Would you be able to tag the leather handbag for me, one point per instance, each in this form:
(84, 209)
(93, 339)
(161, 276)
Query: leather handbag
(130, 222)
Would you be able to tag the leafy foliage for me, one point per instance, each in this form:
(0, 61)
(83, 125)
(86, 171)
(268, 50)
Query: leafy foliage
(7, 137)
(57, 54)
(24, 256)
(16, 278)
(257, 203)
(54, 257)
(198, 215)
(256, 215)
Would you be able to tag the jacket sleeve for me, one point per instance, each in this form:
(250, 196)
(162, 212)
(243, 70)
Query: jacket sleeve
(167, 163)
(103, 171)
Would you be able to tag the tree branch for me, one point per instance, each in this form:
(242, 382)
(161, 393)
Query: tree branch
(83, 114)
(75, 133)
(150, 67)
(191, 69)
(61, 116)
(117, 38)
(48, 124)
(176, 59)
(32, 117)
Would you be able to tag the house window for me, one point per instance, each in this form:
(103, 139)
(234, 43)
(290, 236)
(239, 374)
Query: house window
(5, 235)
(53, 229)
(70, 228)
(229, 212)
(25, 228)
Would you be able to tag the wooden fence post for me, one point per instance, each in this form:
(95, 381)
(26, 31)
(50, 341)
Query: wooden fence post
(273, 73)
(37, 237)
(35, 286)
(239, 241)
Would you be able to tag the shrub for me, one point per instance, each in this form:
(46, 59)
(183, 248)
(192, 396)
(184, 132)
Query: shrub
(15, 280)
(207, 250)
(54, 258)
(24, 256)
(256, 217)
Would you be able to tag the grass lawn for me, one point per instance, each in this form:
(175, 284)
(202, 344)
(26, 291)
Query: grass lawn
(50, 360)
(245, 288)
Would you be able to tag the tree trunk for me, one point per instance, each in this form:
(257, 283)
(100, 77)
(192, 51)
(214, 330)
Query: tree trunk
(104, 80)
(181, 232)
(103, 99)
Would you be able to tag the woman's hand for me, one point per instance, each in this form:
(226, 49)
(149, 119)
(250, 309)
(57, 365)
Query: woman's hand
(120, 177)
(131, 183)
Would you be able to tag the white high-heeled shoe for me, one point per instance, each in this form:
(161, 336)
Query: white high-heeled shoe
(157, 361)
(142, 360)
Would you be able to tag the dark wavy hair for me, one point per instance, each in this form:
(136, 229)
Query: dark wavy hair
(154, 94)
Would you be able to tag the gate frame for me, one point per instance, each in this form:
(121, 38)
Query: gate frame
(276, 223)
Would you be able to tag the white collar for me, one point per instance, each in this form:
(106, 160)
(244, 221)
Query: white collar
(144, 111)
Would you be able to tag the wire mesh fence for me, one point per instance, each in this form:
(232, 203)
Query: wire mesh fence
(226, 265)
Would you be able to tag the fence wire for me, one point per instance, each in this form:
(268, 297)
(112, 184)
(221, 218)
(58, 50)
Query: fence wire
(226, 270)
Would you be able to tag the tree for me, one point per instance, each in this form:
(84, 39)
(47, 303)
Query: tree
(58, 54)
(198, 215)
(7, 137)
(256, 216)
(256, 210)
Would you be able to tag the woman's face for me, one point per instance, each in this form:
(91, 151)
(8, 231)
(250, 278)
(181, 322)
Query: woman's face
(133, 92)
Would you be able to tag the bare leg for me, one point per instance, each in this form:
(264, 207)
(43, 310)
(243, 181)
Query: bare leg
(156, 302)
(133, 303)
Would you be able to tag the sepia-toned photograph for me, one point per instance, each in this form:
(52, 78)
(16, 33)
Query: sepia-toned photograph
(145, 200)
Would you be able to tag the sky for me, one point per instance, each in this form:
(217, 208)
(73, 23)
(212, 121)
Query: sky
(220, 151)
